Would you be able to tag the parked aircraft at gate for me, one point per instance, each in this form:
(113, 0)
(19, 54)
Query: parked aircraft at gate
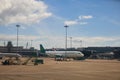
(9, 55)
(68, 54)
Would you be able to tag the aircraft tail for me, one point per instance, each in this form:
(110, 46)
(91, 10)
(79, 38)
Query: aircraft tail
(42, 50)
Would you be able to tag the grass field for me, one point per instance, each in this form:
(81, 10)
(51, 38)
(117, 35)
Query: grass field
(65, 70)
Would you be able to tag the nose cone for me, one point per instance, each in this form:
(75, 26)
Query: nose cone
(19, 55)
(82, 54)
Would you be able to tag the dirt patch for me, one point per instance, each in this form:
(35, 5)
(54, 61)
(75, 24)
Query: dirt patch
(70, 70)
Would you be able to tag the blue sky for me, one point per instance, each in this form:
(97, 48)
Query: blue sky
(95, 22)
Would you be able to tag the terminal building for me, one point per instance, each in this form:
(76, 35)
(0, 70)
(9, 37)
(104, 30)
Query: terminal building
(9, 48)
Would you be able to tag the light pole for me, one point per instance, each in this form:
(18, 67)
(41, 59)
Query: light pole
(66, 38)
(4, 43)
(80, 43)
(17, 35)
(31, 43)
(70, 42)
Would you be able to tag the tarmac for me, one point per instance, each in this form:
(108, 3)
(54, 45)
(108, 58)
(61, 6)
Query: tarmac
(90, 69)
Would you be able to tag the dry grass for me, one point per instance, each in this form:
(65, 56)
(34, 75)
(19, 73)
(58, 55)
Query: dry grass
(71, 70)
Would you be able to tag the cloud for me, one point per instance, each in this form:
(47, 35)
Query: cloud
(70, 22)
(59, 41)
(47, 41)
(13, 37)
(78, 20)
(98, 41)
(74, 23)
(82, 23)
(22, 11)
(85, 17)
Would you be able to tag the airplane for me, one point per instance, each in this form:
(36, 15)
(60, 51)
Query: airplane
(64, 54)
(107, 55)
(9, 55)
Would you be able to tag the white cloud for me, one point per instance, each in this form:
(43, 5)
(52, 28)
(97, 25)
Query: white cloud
(82, 23)
(74, 23)
(70, 22)
(59, 41)
(98, 41)
(22, 11)
(13, 37)
(78, 21)
(47, 41)
(23, 39)
(85, 17)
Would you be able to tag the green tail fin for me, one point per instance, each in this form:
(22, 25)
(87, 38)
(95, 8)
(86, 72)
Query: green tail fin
(42, 50)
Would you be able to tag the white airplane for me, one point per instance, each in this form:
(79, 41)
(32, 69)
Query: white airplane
(9, 55)
(67, 54)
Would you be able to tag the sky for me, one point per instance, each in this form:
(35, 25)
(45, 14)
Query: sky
(90, 23)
